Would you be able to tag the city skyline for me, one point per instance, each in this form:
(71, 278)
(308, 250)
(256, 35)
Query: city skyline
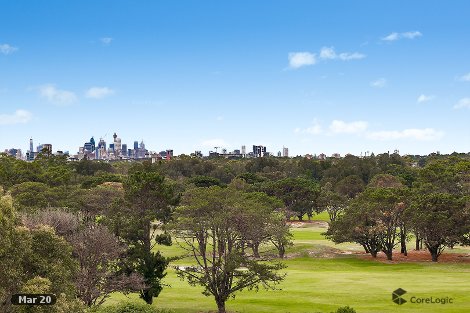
(334, 77)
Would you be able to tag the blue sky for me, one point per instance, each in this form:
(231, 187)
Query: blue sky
(317, 77)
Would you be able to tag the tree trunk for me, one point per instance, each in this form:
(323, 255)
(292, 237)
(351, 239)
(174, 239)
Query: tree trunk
(403, 241)
(373, 253)
(255, 247)
(282, 251)
(220, 306)
(389, 255)
(417, 243)
(434, 256)
(147, 296)
(300, 217)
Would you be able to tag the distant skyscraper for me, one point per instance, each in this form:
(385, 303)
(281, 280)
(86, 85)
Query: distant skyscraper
(243, 150)
(124, 149)
(285, 152)
(136, 145)
(259, 151)
(31, 149)
(93, 144)
(102, 144)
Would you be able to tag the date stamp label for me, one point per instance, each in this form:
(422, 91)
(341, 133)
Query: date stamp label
(33, 299)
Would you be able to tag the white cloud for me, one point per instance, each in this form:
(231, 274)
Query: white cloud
(211, 143)
(391, 37)
(299, 59)
(57, 96)
(106, 40)
(19, 117)
(379, 83)
(338, 127)
(314, 129)
(7, 49)
(351, 56)
(463, 103)
(98, 92)
(219, 118)
(328, 53)
(424, 98)
(411, 35)
(425, 134)
(465, 78)
(396, 36)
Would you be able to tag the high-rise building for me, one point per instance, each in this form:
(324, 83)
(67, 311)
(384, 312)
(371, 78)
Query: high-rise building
(102, 144)
(243, 150)
(30, 153)
(93, 144)
(88, 147)
(285, 152)
(259, 151)
(136, 145)
(124, 150)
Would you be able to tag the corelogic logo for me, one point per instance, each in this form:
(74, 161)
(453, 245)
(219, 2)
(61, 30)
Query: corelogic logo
(397, 296)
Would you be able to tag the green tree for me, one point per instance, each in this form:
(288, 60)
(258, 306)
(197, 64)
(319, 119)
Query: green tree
(298, 194)
(213, 225)
(331, 201)
(384, 207)
(442, 219)
(149, 200)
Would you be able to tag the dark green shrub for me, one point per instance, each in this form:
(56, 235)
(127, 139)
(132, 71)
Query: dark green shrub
(130, 308)
(345, 309)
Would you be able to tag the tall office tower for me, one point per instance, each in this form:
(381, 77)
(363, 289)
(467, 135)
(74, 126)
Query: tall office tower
(31, 149)
(117, 146)
(102, 144)
(285, 152)
(279, 154)
(243, 150)
(142, 151)
(259, 151)
(101, 149)
(136, 150)
(124, 149)
(169, 153)
(93, 144)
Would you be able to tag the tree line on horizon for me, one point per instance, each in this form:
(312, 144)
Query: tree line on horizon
(86, 229)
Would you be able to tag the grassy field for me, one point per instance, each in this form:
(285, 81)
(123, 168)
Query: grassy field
(322, 276)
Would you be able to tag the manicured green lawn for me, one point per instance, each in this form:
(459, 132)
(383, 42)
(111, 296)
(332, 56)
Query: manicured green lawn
(320, 281)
